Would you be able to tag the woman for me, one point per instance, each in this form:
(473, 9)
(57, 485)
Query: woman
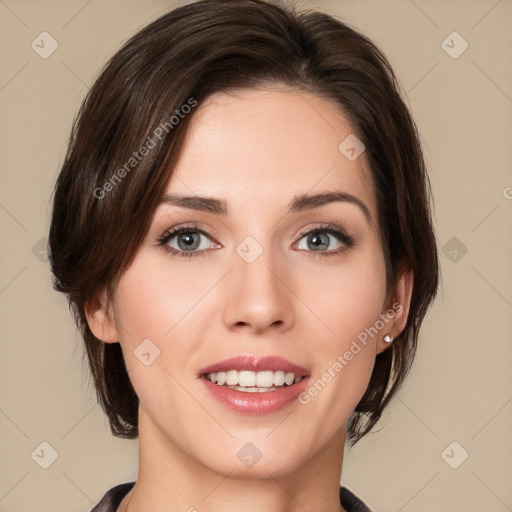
(242, 227)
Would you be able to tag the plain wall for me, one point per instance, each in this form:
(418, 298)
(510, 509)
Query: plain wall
(460, 386)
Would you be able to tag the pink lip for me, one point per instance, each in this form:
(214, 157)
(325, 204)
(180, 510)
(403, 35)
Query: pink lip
(254, 364)
(255, 403)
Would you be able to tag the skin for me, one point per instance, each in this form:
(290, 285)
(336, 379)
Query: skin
(256, 149)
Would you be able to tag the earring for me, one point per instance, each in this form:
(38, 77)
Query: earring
(388, 338)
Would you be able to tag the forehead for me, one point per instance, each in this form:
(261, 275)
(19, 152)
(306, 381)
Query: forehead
(259, 148)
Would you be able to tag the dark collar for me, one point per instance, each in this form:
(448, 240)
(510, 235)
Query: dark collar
(112, 499)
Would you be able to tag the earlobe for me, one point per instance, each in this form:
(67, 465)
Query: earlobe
(400, 306)
(100, 319)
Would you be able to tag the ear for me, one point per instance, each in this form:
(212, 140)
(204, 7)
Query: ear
(100, 318)
(400, 305)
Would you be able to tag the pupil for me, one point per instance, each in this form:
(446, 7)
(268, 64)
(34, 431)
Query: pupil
(317, 242)
(189, 241)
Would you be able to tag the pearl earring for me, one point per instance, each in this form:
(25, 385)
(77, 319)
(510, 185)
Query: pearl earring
(388, 338)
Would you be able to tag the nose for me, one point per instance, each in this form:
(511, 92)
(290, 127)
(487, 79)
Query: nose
(258, 295)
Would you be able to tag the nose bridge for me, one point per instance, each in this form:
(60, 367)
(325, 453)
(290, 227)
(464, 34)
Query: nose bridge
(258, 296)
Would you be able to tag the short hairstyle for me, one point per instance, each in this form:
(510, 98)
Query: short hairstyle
(145, 96)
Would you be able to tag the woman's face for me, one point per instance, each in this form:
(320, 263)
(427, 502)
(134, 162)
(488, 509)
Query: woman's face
(249, 287)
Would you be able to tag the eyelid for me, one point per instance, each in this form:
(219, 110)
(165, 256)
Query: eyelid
(326, 227)
(329, 228)
(192, 226)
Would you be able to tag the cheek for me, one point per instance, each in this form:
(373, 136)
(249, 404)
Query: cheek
(349, 303)
(346, 298)
(153, 302)
(154, 311)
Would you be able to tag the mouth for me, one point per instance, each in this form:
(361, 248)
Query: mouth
(253, 382)
(255, 385)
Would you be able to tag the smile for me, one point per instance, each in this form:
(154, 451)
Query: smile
(253, 385)
(253, 382)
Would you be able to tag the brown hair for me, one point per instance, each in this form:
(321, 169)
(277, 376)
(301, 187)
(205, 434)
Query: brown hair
(106, 194)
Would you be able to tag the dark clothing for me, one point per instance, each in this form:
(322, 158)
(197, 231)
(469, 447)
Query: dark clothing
(114, 496)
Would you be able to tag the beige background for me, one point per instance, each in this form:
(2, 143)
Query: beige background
(460, 388)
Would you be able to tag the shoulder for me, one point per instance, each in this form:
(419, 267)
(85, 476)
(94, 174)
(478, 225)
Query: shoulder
(351, 503)
(112, 498)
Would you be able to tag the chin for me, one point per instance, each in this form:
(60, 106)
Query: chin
(277, 466)
(245, 459)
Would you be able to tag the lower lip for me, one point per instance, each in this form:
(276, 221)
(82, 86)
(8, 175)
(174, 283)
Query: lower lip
(255, 403)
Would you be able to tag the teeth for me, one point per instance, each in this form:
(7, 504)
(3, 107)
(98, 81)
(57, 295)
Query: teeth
(265, 379)
(232, 378)
(246, 379)
(289, 378)
(253, 381)
(278, 378)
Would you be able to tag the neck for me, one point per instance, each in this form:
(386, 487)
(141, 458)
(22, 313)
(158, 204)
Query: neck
(169, 480)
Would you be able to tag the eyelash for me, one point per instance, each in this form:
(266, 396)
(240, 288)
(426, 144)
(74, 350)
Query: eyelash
(340, 234)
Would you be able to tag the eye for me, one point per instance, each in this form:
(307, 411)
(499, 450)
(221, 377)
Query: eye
(319, 239)
(186, 241)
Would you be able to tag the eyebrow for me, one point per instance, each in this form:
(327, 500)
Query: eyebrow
(299, 203)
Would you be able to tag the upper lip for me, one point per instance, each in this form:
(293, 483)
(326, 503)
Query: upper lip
(255, 364)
